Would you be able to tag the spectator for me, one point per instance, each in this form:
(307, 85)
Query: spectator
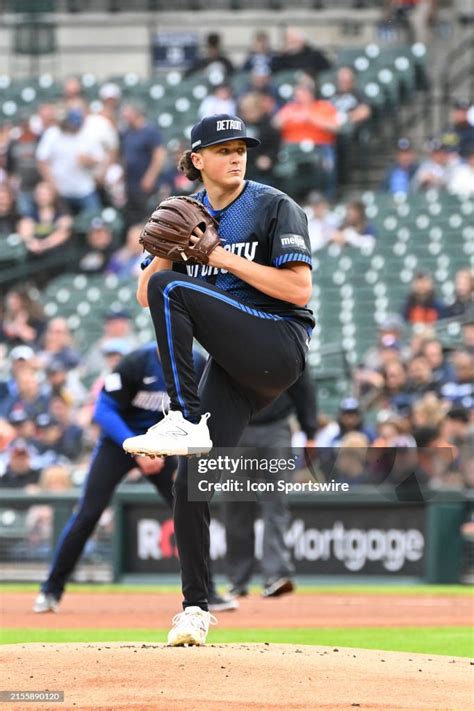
(461, 180)
(26, 395)
(460, 390)
(353, 112)
(422, 304)
(8, 213)
(419, 377)
(117, 325)
(427, 411)
(443, 371)
(399, 176)
(101, 128)
(98, 248)
(21, 162)
(22, 424)
(125, 263)
(64, 383)
(395, 390)
(388, 428)
(462, 125)
(351, 463)
(261, 82)
(314, 120)
(5, 140)
(391, 327)
(73, 96)
(110, 95)
(354, 230)
(46, 229)
(58, 345)
(45, 117)
(215, 62)
(298, 54)
(143, 157)
(20, 472)
(455, 426)
(436, 170)
(55, 437)
(348, 100)
(262, 159)
(20, 358)
(349, 420)
(416, 17)
(468, 335)
(22, 321)
(67, 159)
(463, 304)
(321, 221)
(70, 418)
(261, 54)
(219, 101)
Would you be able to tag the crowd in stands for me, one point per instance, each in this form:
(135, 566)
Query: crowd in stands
(447, 163)
(67, 162)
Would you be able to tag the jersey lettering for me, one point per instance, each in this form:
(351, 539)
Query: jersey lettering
(147, 400)
(247, 250)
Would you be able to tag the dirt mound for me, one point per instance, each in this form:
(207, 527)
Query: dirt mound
(237, 677)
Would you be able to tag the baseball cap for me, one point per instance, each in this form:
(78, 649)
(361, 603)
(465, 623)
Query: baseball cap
(458, 413)
(17, 417)
(116, 313)
(110, 91)
(115, 345)
(462, 104)
(75, 118)
(220, 128)
(56, 366)
(392, 322)
(389, 341)
(46, 420)
(97, 223)
(22, 353)
(349, 404)
(404, 144)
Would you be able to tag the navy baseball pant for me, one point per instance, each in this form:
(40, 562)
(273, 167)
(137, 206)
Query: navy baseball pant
(254, 356)
(109, 466)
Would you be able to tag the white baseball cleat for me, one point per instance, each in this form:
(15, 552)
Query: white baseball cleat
(173, 435)
(190, 627)
(46, 603)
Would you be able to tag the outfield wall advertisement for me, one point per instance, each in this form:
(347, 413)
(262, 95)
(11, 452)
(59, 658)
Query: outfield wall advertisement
(334, 540)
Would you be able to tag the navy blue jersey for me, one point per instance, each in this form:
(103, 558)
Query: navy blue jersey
(134, 396)
(265, 226)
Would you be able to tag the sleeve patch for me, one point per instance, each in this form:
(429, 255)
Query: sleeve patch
(113, 382)
(291, 241)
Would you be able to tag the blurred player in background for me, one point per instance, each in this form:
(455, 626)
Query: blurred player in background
(129, 402)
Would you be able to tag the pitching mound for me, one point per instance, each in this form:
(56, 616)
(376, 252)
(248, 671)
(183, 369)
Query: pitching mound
(237, 677)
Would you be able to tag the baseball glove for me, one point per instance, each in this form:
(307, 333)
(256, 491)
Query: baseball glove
(169, 231)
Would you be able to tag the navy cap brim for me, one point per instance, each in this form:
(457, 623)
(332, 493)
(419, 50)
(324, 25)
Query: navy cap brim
(250, 142)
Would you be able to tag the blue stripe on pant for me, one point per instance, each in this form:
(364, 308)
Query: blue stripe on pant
(108, 467)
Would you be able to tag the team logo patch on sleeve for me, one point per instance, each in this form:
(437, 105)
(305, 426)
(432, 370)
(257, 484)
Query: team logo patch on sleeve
(290, 241)
(113, 382)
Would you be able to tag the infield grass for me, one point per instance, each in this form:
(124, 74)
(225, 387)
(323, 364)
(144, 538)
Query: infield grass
(450, 641)
(302, 589)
